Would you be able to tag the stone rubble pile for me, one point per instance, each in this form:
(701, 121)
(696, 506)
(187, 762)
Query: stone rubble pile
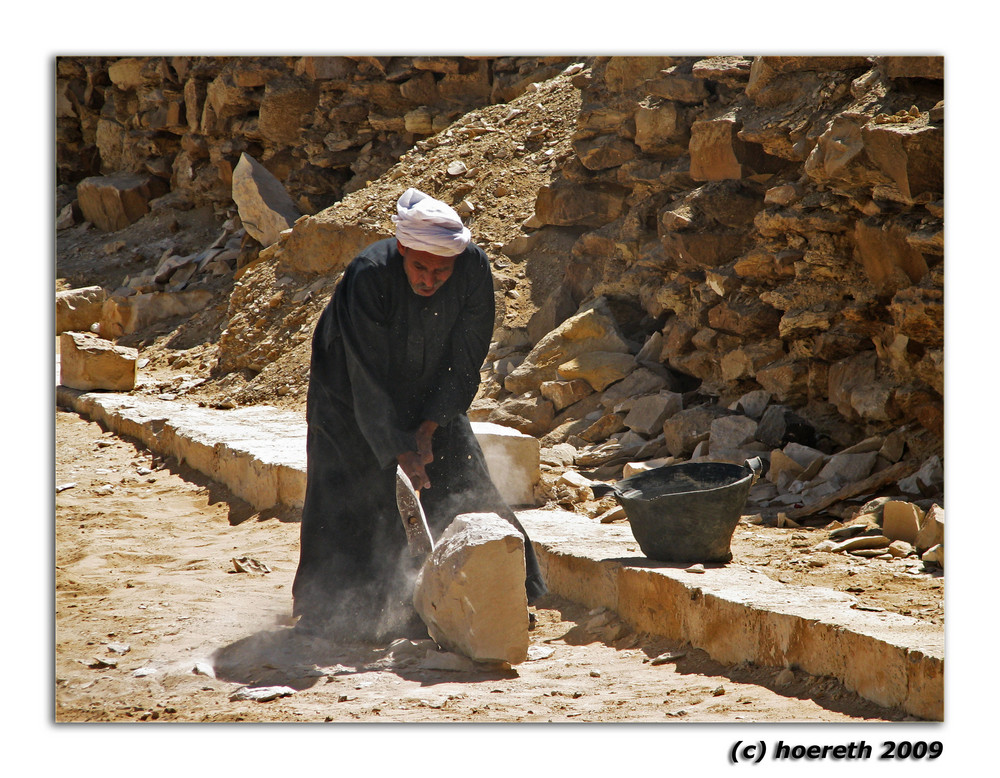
(324, 126)
(779, 220)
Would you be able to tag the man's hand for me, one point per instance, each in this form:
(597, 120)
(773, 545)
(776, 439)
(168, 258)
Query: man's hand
(414, 463)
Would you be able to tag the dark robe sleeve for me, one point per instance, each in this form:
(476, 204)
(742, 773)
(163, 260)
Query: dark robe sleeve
(364, 325)
(459, 378)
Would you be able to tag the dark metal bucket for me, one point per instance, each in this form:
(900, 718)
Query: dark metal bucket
(688, 512)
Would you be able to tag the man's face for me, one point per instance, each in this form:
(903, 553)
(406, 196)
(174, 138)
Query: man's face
(426, 272)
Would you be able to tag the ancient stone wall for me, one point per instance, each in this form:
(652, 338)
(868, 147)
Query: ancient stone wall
(324, 126)
(781, 220)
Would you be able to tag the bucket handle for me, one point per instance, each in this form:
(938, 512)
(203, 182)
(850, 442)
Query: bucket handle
(602, 489)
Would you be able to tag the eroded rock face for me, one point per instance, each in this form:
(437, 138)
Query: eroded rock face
(470, 591)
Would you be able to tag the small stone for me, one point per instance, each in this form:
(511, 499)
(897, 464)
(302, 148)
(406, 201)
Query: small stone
(457, 168)
(64, 487)
(696, 568)
(669, 656)
(785, 677)
(261, 693)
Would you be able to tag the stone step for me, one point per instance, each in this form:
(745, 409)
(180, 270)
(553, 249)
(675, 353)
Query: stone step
(732, 613)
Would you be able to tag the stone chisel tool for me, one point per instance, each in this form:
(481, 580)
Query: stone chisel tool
(418, 534)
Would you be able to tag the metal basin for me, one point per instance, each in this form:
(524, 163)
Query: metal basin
(687, 512)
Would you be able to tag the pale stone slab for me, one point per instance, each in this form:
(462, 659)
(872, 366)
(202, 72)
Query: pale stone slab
(513, 460)
(470, 591)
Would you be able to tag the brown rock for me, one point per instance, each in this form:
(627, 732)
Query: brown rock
(590, 205)
(77, 309)
(902, 521)
(600, 369)
(87, 362)
(285, 103)
(911, 155)
(265, 207)
(562, 394)
(114, 202)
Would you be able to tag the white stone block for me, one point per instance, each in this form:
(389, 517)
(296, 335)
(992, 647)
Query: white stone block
(513, 460)
(470, 591)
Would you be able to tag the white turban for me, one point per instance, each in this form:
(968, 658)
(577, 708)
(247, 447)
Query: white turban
(426, 224)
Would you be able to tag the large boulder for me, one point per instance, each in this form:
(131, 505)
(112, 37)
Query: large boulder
(470, 591)
(265, 207)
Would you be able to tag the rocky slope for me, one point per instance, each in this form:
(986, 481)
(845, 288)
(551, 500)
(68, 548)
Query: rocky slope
(751, 247)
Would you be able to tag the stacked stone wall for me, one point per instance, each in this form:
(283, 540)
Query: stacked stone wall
(779, 218)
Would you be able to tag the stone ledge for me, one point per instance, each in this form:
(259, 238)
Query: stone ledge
(732, 613)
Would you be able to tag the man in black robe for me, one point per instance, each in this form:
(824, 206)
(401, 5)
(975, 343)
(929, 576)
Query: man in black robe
(395, 365)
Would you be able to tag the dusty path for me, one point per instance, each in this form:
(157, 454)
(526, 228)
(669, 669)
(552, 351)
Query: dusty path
(154, 623)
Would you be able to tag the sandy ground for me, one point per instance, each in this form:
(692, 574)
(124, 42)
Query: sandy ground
(155, 624)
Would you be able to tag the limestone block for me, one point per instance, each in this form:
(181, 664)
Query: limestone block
(887, 256)
(585, 205)
(640, 381)
(264, 206)
(931, 532)
(911, 154)
(600, 369)
(591, 329)
(753, 403)
(728, 432)
(901, 520)
(470, 591)
(77, 309)
(87, 362)
(648, 413)
(604, 427)
(513, 460)
(604, 151)
(783, 469)
(849, 468)
(114, 202)
(657, 126)
(563, 394)
(285, 103)
(124, 315)
(685, 429)
(528, 413)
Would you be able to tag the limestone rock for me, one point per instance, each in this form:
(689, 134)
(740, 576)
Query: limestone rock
(849, 468)
(931, 532)
(124, 315)
(284, 104)
(77, 309)
(591, 329)
(562, 394)
(264, 205)
(728, 432)
(600, 369)
(87, 362)
(640, 381)
(470, 590)
(648, 413)
(528, 413)
(114, 202)
(901, 520)
(685, 429)
(512, 459)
